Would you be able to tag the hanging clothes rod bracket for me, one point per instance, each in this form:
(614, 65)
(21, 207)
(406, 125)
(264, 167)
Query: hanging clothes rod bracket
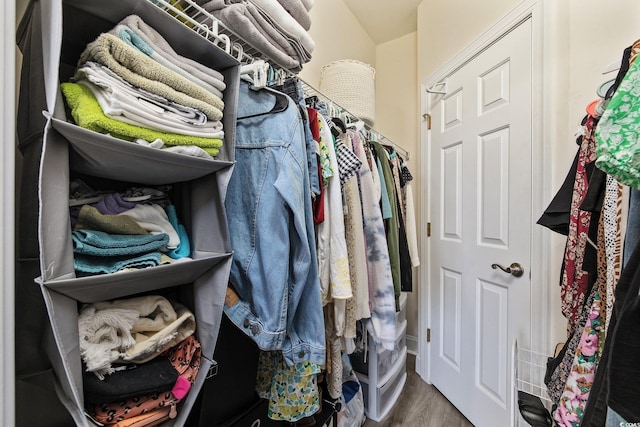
(438, 88)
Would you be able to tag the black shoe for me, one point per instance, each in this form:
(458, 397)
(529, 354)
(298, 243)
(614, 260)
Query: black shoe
(533, 411)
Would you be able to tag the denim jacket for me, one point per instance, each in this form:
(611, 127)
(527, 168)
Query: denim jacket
(268, 206)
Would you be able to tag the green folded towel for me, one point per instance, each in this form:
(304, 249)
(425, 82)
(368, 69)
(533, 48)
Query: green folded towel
(90, 218)
(87, 113)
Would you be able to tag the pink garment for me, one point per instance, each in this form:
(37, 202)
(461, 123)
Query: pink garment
(181, 388)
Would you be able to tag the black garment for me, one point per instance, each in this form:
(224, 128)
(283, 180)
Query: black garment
(556, 216)
(627, 288)
(406, 273)
(558, 368)
(624, 365)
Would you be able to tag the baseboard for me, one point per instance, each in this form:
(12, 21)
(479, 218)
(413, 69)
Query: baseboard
(412, 345)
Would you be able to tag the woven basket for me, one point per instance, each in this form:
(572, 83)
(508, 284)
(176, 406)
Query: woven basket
(351, 84)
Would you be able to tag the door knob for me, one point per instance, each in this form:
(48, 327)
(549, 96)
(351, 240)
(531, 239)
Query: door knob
(514, 269)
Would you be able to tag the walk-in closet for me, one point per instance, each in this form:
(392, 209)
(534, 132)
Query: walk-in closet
(337, 213)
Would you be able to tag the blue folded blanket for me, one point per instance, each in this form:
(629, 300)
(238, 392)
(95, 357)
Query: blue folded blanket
(98, 243)
(86, 265)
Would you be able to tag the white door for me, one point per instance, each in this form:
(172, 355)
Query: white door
(480, 206)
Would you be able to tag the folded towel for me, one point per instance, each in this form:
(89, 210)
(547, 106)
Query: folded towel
(184, 248)
(147, 102)
(154, 219)
(160, 45)
(87, 113)
(130, 112)
(90, 218)
(188, 150)
(104, 336)
(150, 344)
(235, 16)
(98, 243)
(276, 34)
(286, 22)
(89, 265)
(134, 40)
(308, 4)
(299, 49)
(133, 330)
(145, 73)
(113, 204)
(298, 11)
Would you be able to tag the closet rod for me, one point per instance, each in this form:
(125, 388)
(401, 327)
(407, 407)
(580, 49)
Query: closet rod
(373, 134)
(202, 22)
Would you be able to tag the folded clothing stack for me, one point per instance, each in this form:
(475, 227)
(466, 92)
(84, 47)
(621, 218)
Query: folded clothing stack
(113, 232)
(131, 84)
(140, 357)
(278, 28)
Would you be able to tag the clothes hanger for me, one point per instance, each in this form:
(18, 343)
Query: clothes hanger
(282, 103)
(339, 123)
(311, 101)
(259, 72)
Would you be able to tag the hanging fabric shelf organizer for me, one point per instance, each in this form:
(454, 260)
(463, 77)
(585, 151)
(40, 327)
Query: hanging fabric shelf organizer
(199, 187)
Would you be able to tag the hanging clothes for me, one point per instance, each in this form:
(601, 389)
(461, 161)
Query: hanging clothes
(626, 295)
(279, 303)
(382, 325)
(412, 233)
(587, 353)
(619, 130)
(354, 233)
(392, 224)
(333, 261)
(574, 277)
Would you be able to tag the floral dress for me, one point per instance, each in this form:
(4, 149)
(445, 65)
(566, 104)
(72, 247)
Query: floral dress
(574, 278)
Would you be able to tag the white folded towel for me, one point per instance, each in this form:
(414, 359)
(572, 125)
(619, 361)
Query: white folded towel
(120, 100)
(155, 220)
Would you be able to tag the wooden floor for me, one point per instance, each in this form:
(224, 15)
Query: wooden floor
(421, 405)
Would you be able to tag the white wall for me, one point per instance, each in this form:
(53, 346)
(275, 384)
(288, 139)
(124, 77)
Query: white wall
(338, 35)
(445, 27)
(7, 213)
(396, 115)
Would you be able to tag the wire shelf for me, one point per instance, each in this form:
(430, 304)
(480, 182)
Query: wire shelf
(202, 22)
(198, 19)
(351, 118)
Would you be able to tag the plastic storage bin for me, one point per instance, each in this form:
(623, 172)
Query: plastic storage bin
(383, 359)
(380, 397)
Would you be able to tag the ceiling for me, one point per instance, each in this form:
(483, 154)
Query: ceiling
(385, 20)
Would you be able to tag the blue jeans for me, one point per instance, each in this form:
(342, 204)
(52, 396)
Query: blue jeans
(268, 207)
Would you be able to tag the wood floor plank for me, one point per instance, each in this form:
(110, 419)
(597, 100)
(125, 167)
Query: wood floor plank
(421, 405)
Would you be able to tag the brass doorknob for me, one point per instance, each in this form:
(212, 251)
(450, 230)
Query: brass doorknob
(514, 269)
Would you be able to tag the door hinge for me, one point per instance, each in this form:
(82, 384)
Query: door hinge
(427, 117)
(428, 229)
(428, 334)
